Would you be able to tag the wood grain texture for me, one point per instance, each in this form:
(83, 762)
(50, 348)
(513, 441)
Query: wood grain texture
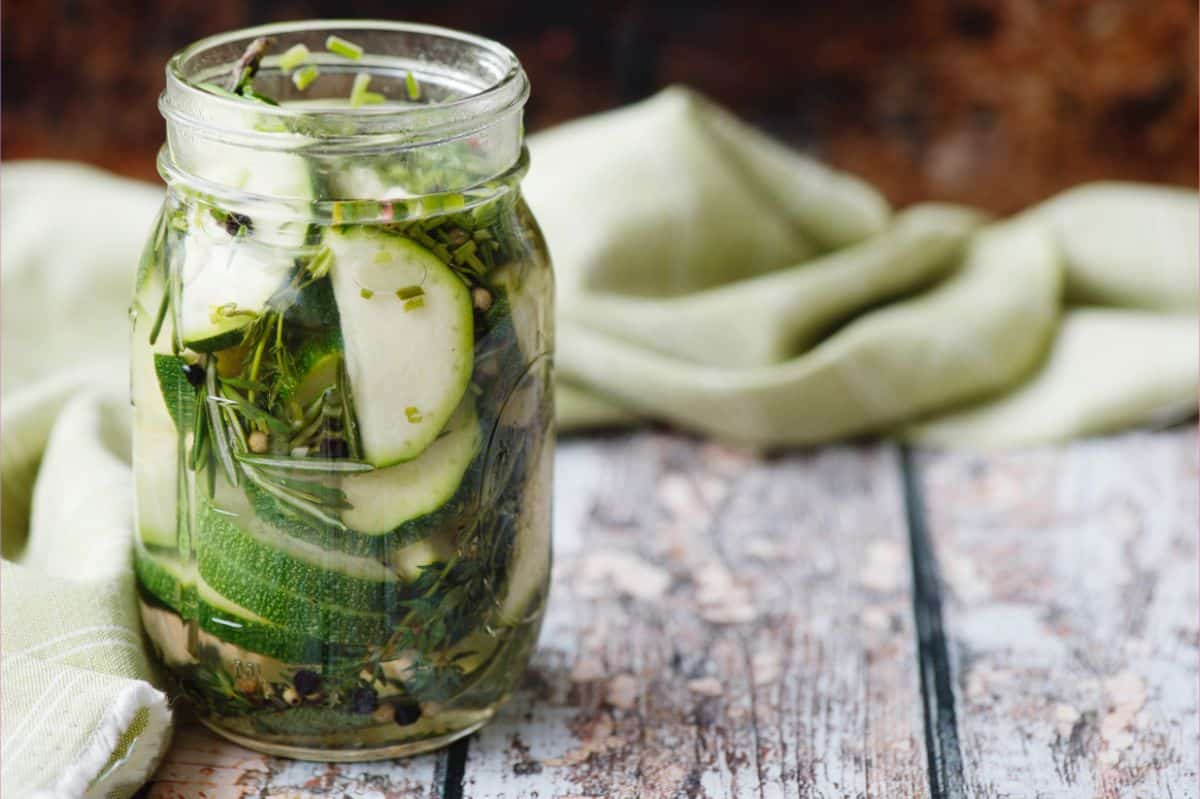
(201, 765)
(1072, 615)
(720, 626)
(728, 626)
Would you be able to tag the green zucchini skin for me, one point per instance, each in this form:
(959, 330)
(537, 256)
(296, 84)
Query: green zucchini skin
(163, 580)
(271, 599)
(223, 543)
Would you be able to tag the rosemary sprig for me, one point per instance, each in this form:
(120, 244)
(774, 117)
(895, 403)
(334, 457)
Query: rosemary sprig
(220, 434)
(291, 498)
(252, 412)
(242, 76)
(323, 465)
(199, 436)
(160, 316)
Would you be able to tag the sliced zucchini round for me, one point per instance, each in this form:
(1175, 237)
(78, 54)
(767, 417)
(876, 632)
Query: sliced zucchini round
(227, 280)
(409, 362)
(529, 563)
(232, 535)
(386, 499)
(165, 579)
(156, 440)
(268, 597)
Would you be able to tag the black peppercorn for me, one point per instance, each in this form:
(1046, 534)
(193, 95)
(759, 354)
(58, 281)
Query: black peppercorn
(194, 373)
(405, 713)
(306, 682)
(364, 700)
(235, 223)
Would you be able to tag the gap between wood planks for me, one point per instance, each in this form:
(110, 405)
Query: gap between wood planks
(937, 691)
(456, 767)
(937, 688)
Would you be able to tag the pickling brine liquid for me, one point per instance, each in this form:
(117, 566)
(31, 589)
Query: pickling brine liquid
(331, 558)
(343, 445)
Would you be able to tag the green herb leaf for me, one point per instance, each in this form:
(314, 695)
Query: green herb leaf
(179, 395)
(323, 465)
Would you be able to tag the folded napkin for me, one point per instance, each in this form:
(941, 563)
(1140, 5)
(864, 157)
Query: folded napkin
(707, 276)
(711, 278)
(81, 714)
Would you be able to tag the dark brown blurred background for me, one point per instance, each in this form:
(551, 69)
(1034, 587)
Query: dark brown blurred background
(995, 103)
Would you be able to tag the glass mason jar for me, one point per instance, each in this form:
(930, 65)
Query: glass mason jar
(341, 382)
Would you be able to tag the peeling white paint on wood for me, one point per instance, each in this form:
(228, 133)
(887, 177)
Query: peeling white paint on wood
(750, 675)
(1072, 615)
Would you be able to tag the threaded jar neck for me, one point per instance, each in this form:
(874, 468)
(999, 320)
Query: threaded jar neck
(443, 110)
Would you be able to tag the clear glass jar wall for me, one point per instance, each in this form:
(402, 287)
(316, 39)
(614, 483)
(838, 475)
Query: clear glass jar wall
(341, 384)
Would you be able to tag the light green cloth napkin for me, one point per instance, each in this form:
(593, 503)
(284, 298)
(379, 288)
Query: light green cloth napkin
(81, 715)
(707, 276)
(711, 278)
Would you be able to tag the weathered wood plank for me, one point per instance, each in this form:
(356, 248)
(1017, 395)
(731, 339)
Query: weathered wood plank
(1071, 613)
(721, 626)
(201, 765)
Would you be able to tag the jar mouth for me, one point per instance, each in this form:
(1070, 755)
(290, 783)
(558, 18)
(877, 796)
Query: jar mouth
(464, 83)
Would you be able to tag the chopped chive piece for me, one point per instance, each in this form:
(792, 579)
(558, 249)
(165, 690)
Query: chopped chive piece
(464, 252)
(159, 317)
(412, 414)
(318, 267)
(408, 292)
(414, 88)
(414, 303)
(336, 44)
(215, 89)
(296, 55)
(357, 92)
(476, 264)
(304, 76)
(366, 294)
(372, 98)
(338, 214)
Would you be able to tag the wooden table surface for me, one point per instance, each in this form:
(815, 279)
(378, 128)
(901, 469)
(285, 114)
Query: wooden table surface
(853, 621)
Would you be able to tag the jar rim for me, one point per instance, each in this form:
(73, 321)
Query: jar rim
(185, 102)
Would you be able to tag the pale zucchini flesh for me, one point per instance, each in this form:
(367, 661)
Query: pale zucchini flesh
(408, 368)
(227, 280)
(387, 498)
(156, 439)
